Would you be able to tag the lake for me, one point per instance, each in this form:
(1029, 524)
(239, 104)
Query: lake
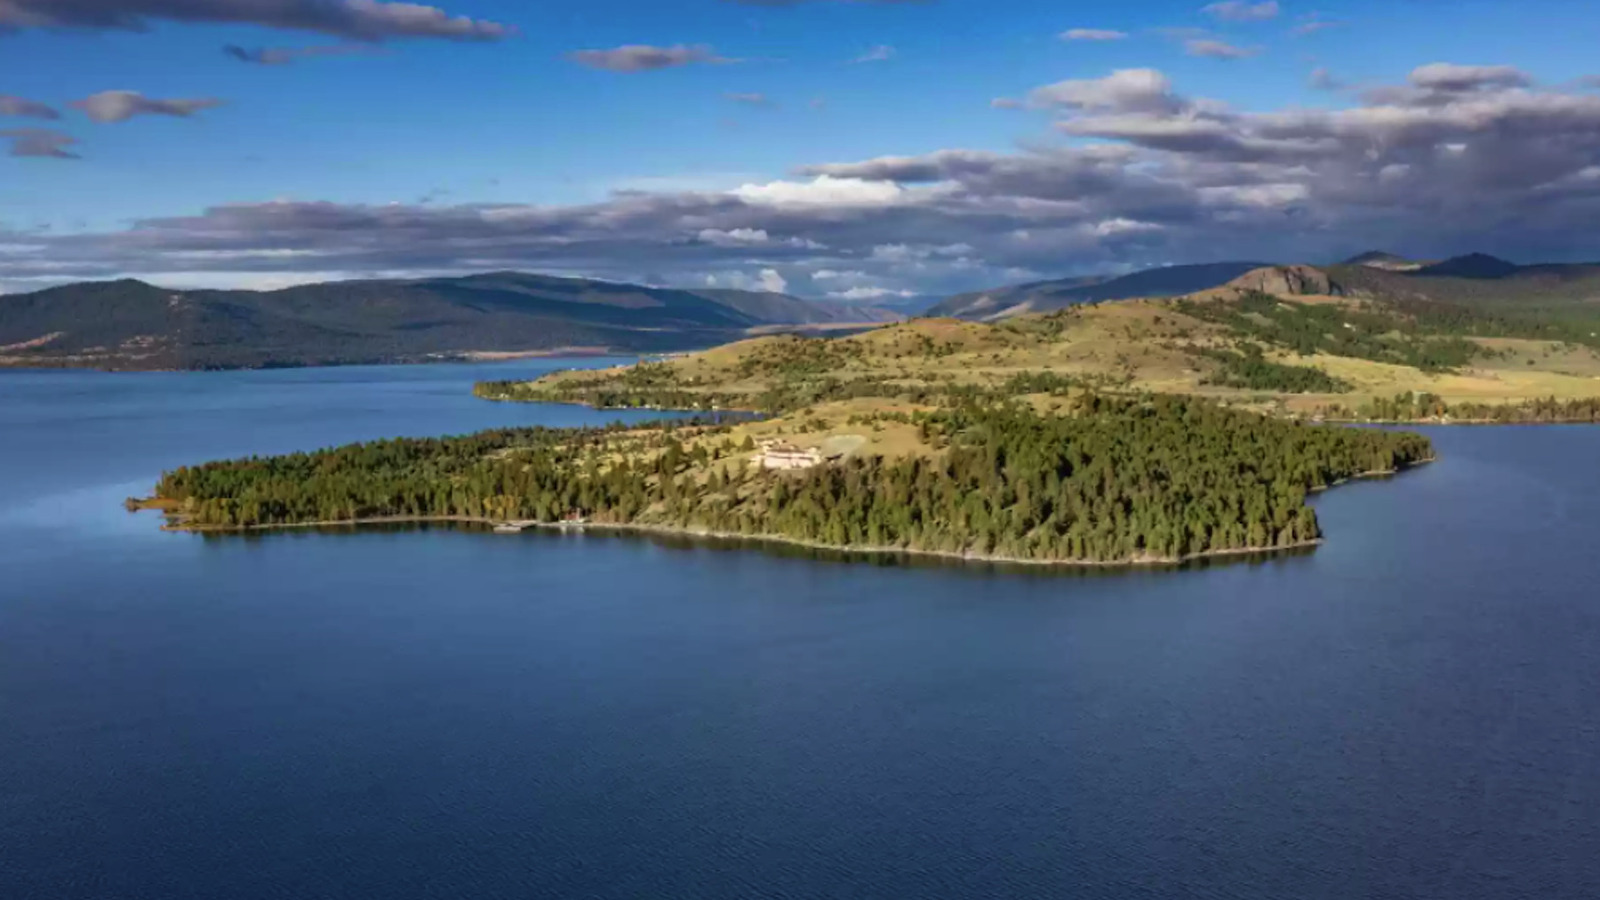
(1412, 711)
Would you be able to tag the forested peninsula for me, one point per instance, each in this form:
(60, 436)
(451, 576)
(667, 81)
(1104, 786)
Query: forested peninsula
(1102, 480)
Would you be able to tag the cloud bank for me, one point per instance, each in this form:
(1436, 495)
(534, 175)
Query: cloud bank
(1455, 158)
(359, 20)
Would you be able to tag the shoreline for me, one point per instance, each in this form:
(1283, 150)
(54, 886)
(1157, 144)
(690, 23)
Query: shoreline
(635, 528)
(639, 528)
(1446, 423)
(1304, 420)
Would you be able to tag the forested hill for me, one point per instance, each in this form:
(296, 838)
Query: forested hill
(130, 324)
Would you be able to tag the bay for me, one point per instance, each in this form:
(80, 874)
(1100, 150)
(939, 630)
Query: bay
(1409, 711)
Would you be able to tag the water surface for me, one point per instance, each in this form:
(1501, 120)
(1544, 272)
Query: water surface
(1411, 711)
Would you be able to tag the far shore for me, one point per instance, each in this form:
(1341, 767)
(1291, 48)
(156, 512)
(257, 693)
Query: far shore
(498, 355)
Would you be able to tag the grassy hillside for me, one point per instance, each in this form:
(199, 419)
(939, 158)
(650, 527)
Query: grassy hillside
(1338, 356)
(133, 325)
(1045, 296)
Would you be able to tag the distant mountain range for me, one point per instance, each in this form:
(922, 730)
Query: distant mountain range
(1481, 281)
(1475, 279)
(129, 324)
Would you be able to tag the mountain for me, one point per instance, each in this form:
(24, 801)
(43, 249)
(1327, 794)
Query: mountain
(132, 324)
(1483, 282)
(1287, 281)
(1473, 265)
(1043, 296)
(1379, 259)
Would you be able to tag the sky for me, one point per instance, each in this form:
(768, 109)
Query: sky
(850, 149)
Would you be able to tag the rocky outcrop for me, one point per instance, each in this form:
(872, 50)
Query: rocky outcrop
(1288, 281)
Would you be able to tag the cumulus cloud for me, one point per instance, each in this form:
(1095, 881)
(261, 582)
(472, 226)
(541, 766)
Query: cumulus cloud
(282, 56)
(738, 237)
(1449, 162)
(1444, 84)
(645, 57)
(754, 237)
(857, 294)
(19, 106)
(770, 280)
(1456, 79)
(823, 190)
(1093, 34)
(1324, 80)
(1238, 11)
(360, 20)
(41, 142)
(120, 106)
(1128, 90)
(1215, 49)
(879, 53)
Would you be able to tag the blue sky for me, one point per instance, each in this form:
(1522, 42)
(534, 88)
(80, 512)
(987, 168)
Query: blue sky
(439, 124)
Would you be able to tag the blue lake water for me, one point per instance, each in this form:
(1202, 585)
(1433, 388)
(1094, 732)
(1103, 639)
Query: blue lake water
(1412, 711)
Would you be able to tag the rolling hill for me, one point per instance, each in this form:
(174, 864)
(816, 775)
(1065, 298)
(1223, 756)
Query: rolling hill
(1482, 282)
(1478, 281)
(1044, 296)
(129, 324)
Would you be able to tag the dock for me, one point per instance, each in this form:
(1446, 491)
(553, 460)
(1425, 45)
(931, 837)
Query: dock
(517, 526)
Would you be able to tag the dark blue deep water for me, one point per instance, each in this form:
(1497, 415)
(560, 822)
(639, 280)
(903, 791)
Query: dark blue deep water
(1411, 711)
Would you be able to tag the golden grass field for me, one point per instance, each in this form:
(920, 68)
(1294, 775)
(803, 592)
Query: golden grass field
(1129, 345)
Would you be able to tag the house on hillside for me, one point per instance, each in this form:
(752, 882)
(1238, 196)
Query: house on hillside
(784, 455)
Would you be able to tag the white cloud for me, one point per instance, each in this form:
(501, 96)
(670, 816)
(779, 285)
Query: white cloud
(1124, 89)
(771, 281)
(1113, 227)
(1214, 49)
(120, 106)
(1259, 195)
(1459, 79)
(1093, 34)
(1239, 11)
(823, 190)
(737, 237)
(870, 293)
